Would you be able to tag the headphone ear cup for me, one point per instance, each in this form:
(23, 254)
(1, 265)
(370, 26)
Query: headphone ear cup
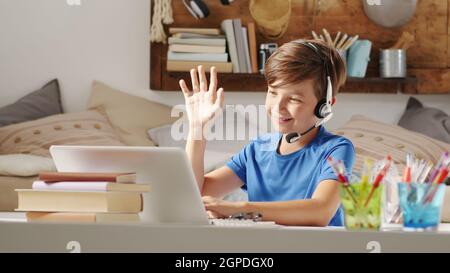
(318, 111)
(200, 8)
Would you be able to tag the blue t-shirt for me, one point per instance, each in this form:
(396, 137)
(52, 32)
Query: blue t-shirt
(269, 176)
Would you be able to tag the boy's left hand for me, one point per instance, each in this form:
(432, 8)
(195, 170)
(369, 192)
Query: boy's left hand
(222, 208)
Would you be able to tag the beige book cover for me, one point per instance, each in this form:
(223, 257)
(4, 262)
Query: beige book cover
(67, 201)
(74, 217)
(188, 65)
(89, 186)
(208, 31)
(196, 48)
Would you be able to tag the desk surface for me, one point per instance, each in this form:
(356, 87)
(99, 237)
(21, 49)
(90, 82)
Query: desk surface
(18, 236)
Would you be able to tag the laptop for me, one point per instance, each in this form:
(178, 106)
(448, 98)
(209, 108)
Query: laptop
(174, 196)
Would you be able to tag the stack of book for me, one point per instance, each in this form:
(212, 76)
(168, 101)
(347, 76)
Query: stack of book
(190, 47)
(83, 197)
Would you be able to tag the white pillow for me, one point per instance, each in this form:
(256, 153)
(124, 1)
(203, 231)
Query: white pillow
(25, 165)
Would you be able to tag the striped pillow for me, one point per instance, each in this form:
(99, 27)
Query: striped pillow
(375, 140)
(35, 137)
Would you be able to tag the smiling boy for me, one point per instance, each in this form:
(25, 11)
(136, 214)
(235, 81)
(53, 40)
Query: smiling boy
(287, 180)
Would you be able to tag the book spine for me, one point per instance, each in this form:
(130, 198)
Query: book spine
(197, 41)
(206, 57)
(247, 51)
(237, 27)
(227, 27)
(66, 201)
(209, 31)
(253, 47)
(81, 217)
(196, 48)
(71, 186)
(185, 66)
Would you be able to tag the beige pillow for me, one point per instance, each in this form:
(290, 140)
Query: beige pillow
(35, 137)
(131, 116)
(25, 165)
(375, 140)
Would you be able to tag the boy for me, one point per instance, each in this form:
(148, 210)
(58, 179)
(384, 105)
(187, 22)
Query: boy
(290, 183)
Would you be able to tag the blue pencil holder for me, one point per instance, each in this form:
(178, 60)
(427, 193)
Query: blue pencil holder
(358, 58)
(421, 204)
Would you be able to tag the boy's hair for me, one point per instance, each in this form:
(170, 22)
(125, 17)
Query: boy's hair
(295, 62)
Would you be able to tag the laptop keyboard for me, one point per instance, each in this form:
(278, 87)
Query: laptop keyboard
(241, 223)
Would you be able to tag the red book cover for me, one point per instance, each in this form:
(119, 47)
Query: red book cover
(87, 177)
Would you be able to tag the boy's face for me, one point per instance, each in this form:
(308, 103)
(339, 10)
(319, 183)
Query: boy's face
(291, 108)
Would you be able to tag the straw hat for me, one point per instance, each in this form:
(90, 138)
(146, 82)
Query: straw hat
(271, 16)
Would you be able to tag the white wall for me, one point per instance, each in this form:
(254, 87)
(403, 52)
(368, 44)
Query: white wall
(44, 39)
(107, 40)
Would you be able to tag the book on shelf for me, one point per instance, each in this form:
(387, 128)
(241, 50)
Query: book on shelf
(239, 38)
(186, 66)
(196, 48)
(87, 177)
(228, 29)
(187, 35)
(204, 31)
(207, 57)
(253, 47)
(197, 41)
(91, 186)
(246, 50)
(79, 201)
(77, 217)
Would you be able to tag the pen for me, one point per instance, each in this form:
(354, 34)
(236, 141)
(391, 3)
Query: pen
(439, 179)
(438, 167)
(341, 177)
(379, 178)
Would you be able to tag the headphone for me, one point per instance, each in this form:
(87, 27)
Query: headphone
(199, 9)
(323, 109)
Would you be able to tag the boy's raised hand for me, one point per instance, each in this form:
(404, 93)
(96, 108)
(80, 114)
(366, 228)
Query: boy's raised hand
(202, 102)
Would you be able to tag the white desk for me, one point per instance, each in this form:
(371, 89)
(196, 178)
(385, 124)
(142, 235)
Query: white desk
(19, 236)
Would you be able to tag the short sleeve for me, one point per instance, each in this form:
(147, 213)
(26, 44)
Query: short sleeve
(238, 163)
(343, 151)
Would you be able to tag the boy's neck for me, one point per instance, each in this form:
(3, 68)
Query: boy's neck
(285, 148)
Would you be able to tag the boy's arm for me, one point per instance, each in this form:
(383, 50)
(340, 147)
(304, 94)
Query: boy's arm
(202, 105)
(316, 211)
(220, 182)
(195, 150)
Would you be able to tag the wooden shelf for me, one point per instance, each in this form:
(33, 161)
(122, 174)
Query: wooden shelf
(374, 80)
(256, 82)
(428, 60)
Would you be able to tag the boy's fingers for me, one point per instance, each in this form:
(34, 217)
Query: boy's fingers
(220, 97)
(213, 80)
(194, 80)
(203, 81)
(218, 104)
(184, 88)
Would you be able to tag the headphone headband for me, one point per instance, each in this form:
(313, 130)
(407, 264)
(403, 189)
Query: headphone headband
(315, 49)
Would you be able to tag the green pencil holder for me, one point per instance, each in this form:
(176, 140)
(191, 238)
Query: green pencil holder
(358, 215)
